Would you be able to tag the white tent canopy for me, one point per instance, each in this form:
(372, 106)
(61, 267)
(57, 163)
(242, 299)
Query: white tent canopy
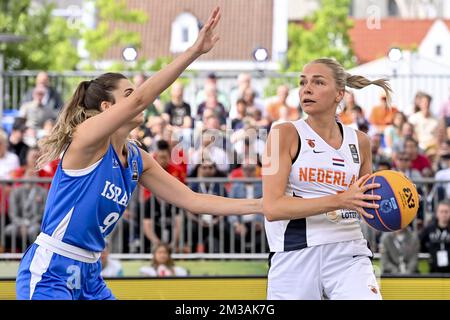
(406, 76)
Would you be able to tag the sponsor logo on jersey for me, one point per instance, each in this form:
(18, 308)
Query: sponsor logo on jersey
(342, 216)
(354, 153)
(332, 216)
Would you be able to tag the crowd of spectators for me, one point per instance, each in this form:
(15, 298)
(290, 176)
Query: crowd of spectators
(223, 135)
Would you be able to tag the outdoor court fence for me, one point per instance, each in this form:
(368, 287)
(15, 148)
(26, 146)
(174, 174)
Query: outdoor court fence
(15, 84)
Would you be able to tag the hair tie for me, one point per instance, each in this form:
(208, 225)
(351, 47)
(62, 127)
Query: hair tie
(88, 84)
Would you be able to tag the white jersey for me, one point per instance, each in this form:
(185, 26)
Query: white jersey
(319, 170)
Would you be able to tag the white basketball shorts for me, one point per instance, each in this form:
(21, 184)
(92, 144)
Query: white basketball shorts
(338, 271)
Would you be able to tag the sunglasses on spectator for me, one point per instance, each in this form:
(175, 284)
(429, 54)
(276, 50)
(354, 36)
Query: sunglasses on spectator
(207, 166)
(403, 159)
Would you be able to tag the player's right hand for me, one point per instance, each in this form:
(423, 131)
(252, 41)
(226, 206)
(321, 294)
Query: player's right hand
(206, 38)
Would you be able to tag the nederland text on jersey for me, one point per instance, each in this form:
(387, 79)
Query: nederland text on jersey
(326, 176)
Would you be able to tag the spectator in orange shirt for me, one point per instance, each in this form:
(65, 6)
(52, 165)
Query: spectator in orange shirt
(346, 116)
(382, 115)
(273, 108)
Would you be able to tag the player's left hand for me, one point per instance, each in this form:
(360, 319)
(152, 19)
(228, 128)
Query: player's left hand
(206, 38)
(355, 198)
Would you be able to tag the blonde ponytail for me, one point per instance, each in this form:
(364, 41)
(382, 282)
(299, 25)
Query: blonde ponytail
(343, 79)
(359, 82)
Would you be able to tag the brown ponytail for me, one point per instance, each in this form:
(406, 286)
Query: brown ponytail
(84, 104)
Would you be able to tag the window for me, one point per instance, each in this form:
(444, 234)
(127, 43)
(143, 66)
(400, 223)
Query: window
(185, 35)
(184, 32)
(438, 50)
(393, 8)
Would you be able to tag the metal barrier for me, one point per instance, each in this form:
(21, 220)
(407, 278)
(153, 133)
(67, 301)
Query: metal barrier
(149, 220)
(146, 222)
(17, 83)
(186, 232)
(17, 231)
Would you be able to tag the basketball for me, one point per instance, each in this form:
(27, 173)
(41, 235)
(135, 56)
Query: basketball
(398, 204)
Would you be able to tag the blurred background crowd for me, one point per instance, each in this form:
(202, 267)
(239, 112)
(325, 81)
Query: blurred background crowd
(223, 136)
(209, 128)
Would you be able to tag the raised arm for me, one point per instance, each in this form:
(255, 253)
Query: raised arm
(168, 188)
(94, 131)
(277, 159)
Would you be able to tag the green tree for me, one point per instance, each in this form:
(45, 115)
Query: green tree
(49, 40)
(99, 40)
(323, 34)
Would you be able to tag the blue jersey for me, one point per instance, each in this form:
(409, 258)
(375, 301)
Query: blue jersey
(83, 210)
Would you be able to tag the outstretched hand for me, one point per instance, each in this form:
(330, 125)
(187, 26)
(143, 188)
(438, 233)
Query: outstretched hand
(206, 38)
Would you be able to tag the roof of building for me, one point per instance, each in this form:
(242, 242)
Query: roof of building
(244, 26)
(371, 43)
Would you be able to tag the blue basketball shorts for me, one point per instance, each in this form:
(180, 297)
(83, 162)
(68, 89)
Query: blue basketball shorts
(45, 275)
